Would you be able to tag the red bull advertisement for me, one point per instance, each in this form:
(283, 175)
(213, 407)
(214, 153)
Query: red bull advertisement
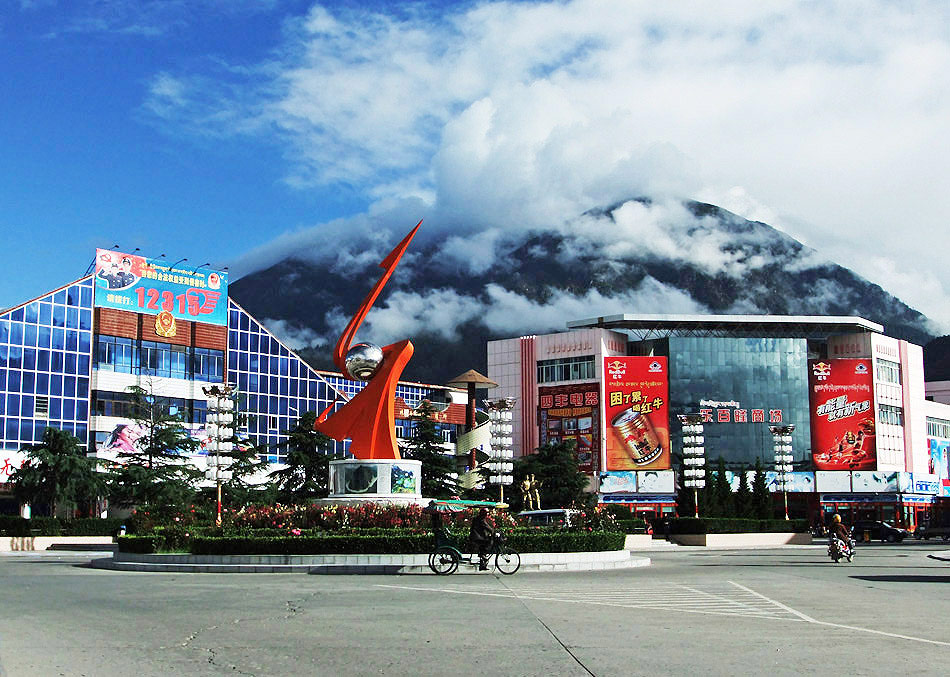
(636, 402)
(152, 286)
(841, 396)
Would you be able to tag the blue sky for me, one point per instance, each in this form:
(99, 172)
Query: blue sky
(242, 132)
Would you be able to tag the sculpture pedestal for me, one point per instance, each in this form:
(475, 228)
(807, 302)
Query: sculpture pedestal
(385, 480)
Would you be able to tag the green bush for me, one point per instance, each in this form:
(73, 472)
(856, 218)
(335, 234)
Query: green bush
(140, 544)
(93, 526)
(13, 525)
(632, 526)
(392, 544)
(687, 525)
(559, 540)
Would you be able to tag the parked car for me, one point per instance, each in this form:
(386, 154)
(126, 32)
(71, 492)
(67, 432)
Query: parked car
(927, 531)
(557, 517)
(879, 530)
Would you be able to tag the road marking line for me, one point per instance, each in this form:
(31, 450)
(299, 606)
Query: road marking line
(657, 607)
(809, 619)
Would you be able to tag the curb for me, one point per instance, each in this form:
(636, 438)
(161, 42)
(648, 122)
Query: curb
(354, 564)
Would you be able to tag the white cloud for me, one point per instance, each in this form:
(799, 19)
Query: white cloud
(292, 336)
(834, 116)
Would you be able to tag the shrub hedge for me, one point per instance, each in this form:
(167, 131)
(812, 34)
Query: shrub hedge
(140, 544)
(726, 525)
(632, 526)
(12, 525)
(396, 542)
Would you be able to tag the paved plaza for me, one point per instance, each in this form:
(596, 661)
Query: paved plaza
(786, 611)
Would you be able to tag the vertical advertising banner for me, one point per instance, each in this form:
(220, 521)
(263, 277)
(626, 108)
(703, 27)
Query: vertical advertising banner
(841, 397)
(572, 413)
(151, 286)
(636, 395)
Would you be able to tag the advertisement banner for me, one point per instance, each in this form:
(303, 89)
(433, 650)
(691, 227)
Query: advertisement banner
(572, 413)
(832, 480)
(939, 458)
(656, 482)
(138, 284)
(841, 396)
(868, 482)
(637, 413)
(618, 481)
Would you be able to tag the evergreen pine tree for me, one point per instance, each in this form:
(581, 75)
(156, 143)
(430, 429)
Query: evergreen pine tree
(723, 491)
(306, 473)
(708, 497)
(554, 465)
(743, 495)
(151, 470)
(58, 474)
(761, 498)
(685, 496)
(439, 468)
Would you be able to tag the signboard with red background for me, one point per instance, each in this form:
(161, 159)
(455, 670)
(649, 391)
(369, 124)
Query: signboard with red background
(572, 413)
(841, 397)
(636, 401)
(151, 286)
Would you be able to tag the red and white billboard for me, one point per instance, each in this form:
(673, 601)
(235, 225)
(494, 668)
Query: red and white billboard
(841, 396)
(636, 402)
(572, 414)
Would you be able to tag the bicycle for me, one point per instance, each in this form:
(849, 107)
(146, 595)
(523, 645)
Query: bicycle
(445, 559)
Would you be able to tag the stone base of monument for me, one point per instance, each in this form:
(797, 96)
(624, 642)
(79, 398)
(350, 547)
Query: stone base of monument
(354, 481)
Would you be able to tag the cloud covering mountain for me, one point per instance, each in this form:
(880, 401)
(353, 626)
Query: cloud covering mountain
(454, 291)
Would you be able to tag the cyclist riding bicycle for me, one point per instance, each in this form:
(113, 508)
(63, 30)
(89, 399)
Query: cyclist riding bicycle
(481, 534)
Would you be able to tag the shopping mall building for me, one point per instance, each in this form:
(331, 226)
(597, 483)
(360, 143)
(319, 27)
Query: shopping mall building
(867, 442)
(68, 357)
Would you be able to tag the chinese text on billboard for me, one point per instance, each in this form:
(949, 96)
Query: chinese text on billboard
(636, 395)
(151, 286)
(841, 397)
(572, 413)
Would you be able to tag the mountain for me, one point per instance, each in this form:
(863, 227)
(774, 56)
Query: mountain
(456, 290)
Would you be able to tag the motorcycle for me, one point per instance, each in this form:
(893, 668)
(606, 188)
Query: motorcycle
(838, 549)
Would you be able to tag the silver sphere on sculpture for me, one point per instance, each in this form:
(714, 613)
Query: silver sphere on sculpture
(363, 360)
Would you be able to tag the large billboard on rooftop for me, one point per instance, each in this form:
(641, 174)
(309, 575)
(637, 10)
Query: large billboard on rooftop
(153, 287)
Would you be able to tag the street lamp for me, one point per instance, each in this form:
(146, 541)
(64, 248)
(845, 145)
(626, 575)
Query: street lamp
(694, 455)
(500, 463)
(782, 443)
(219, 423)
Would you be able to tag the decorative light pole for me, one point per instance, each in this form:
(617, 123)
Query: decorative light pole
(782, 442)
(694, 455)
(500, 463)
(219, 425)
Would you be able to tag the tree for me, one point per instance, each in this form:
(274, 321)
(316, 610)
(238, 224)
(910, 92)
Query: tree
(743, 496)
(685, 496)
(306, 474)
(554, 465)
(722, 490)
(151, 471)
(439, 469)
(761, 498)
(709, 497)
(57, 473)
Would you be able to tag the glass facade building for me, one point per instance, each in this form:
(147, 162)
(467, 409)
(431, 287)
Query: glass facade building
(741, 386)
(59, 369)
(45, 365)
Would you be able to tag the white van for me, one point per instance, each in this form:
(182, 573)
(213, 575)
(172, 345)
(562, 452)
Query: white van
(558, 517)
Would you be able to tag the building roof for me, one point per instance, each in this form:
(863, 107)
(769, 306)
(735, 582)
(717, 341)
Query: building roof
(800, 326)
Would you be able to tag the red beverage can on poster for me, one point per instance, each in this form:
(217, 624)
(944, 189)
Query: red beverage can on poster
(638, 436)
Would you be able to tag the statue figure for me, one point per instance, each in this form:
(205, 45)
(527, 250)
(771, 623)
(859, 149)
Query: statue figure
(526, 493)
(535, 494)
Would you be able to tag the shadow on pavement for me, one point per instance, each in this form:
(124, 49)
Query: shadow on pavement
(904, 578)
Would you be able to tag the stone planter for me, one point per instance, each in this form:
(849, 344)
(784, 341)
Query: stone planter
(32, 543)
(742, 540)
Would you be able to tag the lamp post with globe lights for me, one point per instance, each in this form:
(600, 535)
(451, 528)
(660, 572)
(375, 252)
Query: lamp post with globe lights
(782, 444)
(501, 463)
(219, 424)
(694, 455)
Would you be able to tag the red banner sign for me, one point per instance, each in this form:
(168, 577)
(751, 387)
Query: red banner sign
(572, 413)
(636, 401)
(841, 394)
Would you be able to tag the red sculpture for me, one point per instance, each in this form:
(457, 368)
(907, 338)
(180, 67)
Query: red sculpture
(369, 419)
